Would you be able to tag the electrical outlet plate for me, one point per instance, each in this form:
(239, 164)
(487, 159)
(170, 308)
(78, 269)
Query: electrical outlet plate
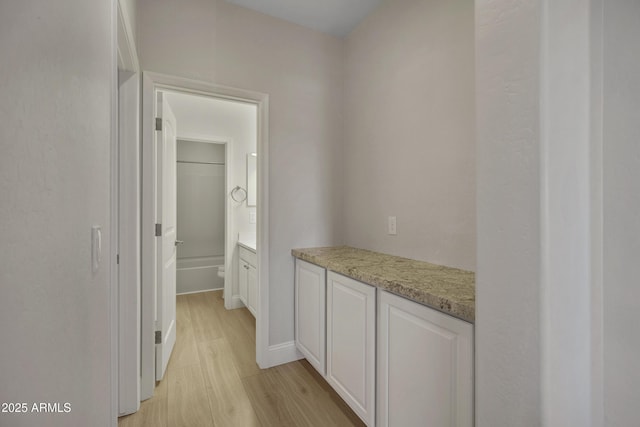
(392, 226)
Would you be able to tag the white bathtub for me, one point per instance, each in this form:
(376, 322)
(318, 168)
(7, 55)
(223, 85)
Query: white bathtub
(198, 274)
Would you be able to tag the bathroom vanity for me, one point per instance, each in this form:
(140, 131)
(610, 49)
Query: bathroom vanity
(392, 336)
(247, 274)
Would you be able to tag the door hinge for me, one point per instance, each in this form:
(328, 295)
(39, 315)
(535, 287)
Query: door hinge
(158, 230)
(158, 123)
(158, 337)
(118, 259)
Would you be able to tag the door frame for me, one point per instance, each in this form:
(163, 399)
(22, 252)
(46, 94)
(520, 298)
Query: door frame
(166, 141)
(128, 250)
(150, 83)
(125, 212)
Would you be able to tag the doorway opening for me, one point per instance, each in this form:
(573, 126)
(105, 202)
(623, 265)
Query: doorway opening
(245, 224)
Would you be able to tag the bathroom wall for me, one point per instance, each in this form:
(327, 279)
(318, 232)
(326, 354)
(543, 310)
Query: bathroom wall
(409, 131)
(236, 122)
(302, 71)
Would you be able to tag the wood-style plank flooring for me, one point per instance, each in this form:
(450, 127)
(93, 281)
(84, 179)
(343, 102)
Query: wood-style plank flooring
(213, 379)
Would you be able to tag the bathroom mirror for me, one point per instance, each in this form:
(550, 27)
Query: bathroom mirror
(252, 178)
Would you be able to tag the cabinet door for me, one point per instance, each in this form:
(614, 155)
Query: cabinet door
(351, 343)
(310, 295)
(252, 289)
(243, 282)
(425, 366)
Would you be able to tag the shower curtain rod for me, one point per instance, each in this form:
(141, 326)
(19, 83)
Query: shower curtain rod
(201, 163)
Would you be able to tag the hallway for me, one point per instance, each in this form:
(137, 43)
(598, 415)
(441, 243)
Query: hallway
(213, 380)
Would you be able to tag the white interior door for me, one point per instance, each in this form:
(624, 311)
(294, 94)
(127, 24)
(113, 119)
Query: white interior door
(166, 242)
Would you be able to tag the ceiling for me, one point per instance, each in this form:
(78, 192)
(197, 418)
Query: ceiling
(336, 17)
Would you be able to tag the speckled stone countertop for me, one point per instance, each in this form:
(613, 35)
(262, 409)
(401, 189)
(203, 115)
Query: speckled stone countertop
(447, 289)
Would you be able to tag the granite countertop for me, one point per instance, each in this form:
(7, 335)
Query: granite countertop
(446, 289)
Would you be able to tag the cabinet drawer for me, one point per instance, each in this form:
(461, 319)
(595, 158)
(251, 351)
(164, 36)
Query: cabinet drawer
(248, 256)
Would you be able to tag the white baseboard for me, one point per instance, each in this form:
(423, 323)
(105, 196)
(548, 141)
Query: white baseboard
(123, 411)
(280, 354)
(236, 302)
(199, 292)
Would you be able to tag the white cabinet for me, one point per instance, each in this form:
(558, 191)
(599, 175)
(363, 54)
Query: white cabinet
(310, 296)
(351, 349)
(397, 364)
(252, 291)
(425, 366)
(243, 282)
(248, 279)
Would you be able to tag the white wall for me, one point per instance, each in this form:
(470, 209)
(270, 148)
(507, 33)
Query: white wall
(130, 9)
(236, 122)
(56, 80)
(302, 72)
(621, 187)
(556, 336)
(409, 131)
(508, 214)
(127, 35)
(565, 217)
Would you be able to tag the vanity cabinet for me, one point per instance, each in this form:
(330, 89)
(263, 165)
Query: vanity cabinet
(310, 297)
(252, 291)
(243, 282)
(248, 279)
(351, 324)
(425, 366)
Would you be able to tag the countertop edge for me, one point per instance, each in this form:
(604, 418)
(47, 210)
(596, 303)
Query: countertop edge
(247, 246)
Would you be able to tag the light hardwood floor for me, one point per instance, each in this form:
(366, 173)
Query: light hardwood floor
(213, 380)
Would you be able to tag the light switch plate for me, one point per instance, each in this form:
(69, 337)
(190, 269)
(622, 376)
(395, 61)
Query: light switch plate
(252, 217)
(96, 248)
